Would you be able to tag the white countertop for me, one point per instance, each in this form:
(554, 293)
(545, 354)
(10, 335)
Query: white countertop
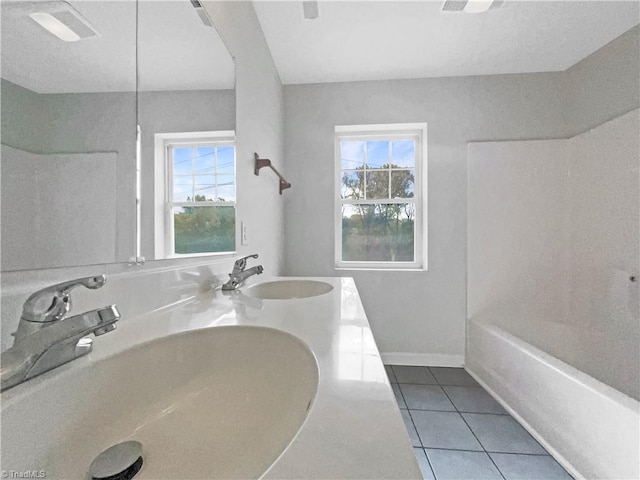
(354, 428)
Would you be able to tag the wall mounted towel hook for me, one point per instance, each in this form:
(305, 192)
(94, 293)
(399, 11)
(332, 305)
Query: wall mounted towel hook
(265, 162)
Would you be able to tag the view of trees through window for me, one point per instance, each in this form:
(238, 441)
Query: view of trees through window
(204, 229)
(377, 196)
(203, 222)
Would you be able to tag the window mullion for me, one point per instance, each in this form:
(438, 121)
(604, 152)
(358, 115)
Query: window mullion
(193, 174)
(215, 171)
(378, 201)
(389, 157)
(364, 172)
(203, 204)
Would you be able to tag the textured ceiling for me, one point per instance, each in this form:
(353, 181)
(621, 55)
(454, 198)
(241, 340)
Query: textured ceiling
(374, 40)
(176, 51)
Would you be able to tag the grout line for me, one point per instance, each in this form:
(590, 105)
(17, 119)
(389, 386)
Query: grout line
(416, 430)
(486, 451)
(528, 454)
(428, 410)
(487, 413)
(424, 384)
(452, 411)
(474, 434)
(455, 449)
(411, 418)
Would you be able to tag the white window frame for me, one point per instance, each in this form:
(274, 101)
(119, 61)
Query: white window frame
(163, 180)
(395, 131)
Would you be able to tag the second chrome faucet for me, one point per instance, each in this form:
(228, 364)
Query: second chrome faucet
(239, 275)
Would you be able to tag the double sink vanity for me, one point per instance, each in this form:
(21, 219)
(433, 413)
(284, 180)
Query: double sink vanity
(279, 379)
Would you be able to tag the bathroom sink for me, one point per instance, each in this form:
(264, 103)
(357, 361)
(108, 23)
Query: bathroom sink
(287, 289)
(222, 402)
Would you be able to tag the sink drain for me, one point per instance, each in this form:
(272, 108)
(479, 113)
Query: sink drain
(119, 462)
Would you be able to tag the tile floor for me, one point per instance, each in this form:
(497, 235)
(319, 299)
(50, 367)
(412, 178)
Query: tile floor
(459, 431)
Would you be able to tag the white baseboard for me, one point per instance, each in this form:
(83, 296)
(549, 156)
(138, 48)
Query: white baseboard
(422, 359)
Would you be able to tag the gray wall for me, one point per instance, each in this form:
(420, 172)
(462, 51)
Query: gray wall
(259, 128)
(423, 313)
(606, 84)
(411, 312)
(21, 116)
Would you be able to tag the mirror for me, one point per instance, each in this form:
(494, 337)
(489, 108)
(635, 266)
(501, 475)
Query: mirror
(68, 133)
(74, 86)
(186, 88)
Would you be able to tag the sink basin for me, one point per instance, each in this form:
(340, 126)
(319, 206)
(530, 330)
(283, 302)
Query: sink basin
(222, 402)
(287, 289)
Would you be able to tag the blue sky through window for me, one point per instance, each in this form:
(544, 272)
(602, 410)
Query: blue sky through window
(204, 170)
(377, 154)
(403, 153)
(352, 155)
(182, 164)
(226, 160)
(203, 160)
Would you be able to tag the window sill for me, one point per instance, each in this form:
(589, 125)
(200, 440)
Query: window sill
(174, 256)
(379, 269)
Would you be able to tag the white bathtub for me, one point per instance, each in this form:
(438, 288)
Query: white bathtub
(592, 429)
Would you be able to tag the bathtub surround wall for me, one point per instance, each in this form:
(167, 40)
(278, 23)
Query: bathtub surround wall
(515, 225)
(553, 237)
(36, 227)
(549, 292)
(419, 317)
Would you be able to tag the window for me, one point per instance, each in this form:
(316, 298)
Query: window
(380, 197)
(195, 193)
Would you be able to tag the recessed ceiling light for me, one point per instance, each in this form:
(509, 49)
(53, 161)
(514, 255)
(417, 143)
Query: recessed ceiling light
(63, 21)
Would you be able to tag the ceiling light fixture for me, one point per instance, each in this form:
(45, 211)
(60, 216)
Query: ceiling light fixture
(470, 6)
(55, 26)
(63, 21)
(477, 6)
(202, 13)
(310, 10)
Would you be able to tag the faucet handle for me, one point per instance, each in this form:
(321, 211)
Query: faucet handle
(241, 263)
(54, 302)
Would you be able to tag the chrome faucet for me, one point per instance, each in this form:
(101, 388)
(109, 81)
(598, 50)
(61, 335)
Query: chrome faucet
(46, 338)
(239, 275)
